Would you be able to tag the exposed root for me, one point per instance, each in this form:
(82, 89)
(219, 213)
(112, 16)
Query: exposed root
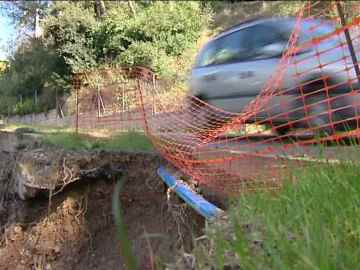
(67, 179)
(178, 211)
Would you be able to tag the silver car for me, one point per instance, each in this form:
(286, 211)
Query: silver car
(234, 67)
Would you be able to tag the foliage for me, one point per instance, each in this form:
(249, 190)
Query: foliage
(310, 224)
(284, 8)
(33, 73)
(7, 104)
(23, 12)
(69, 29)
(158, 32)
(36, 64)
(228, 13)
(3, 66)
(25, 107)
(145, 54)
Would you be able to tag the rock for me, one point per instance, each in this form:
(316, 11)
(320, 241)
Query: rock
(8, 142)
(34, 171)
(57, 249)
(24, 130)
(17, 229)
(24, 192)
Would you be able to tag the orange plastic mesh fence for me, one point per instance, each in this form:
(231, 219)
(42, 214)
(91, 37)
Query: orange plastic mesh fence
(312, 97)
(109, 98)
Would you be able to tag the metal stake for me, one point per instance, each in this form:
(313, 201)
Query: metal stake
(348, 40)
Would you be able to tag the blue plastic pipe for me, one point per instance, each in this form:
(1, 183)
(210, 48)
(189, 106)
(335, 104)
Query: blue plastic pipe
(202, 206)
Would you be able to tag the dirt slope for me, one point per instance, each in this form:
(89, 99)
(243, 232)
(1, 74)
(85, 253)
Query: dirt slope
(75, 229)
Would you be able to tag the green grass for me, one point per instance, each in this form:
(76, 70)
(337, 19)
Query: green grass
(131, 141)
(36, 128)
(312, 224)
(130, 260)
(84, 140)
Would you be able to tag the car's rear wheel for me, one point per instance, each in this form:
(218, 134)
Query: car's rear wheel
(282, 130)
(319, 112)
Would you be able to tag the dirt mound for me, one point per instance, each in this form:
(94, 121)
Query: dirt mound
(74, 229)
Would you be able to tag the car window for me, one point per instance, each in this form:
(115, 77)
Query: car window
(241, 45)
(206, 55)
(223, 50)
(266, 35)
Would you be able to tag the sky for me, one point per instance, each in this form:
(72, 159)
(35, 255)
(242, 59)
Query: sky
(7, 32)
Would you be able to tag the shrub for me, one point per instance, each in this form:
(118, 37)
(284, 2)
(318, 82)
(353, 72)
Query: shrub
(157, 33)
(70, 29)
(33, 68)
(25, 107)
(146, 54)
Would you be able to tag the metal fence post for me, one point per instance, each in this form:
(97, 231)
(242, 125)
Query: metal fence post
(98, 100)
(348, 40)
(142, 105)
(76, 84)
(77, 111)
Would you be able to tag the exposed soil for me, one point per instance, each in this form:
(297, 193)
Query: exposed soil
(74, 229)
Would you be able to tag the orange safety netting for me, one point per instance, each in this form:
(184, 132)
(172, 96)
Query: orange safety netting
(109, 98)
(311, 99)
(231, 152)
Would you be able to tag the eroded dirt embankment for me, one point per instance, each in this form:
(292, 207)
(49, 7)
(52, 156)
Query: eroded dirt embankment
(56, 210)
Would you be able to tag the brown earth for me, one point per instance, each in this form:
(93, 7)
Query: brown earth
(74, 228)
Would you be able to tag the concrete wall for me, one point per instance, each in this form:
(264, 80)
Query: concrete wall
(49, 119)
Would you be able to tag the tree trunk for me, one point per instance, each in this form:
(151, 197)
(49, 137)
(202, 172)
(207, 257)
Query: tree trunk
(100, 9)
(264, 5)
(131, 6)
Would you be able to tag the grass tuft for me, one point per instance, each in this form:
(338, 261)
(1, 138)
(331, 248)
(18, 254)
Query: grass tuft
(121, 230)
(310, 224)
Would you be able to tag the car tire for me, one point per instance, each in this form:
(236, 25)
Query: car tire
(317, 108)
(283, 130)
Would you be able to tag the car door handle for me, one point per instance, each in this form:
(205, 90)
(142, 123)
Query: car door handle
(300, 52)
(210, 77)
(246, 74)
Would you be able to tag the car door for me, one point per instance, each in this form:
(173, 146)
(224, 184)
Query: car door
(237, 67)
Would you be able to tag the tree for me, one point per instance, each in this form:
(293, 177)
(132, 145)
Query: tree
(69, 29)
(100, 9)
(132, 8)
(26, 15)
(159, 32)
(31, 79)
(3, 66)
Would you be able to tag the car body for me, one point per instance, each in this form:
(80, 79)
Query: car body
(233, 68)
